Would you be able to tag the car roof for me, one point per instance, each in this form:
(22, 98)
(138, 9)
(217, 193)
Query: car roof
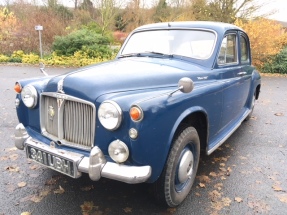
(216, 26)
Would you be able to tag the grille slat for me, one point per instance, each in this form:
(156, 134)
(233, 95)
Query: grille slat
(73, 123)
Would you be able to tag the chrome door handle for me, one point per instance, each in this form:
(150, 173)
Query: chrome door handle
(241, 73)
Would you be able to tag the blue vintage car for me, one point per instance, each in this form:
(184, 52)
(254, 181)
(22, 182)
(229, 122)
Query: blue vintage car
(174, 90)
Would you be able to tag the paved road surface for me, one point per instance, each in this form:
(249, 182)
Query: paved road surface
(246, 175)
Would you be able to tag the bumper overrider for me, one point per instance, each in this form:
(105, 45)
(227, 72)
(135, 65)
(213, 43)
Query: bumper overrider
(74, 164)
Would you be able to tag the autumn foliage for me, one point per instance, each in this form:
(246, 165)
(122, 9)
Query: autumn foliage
(8, 27)
(267, 38)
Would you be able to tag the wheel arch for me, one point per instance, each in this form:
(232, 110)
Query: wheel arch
(196, 117)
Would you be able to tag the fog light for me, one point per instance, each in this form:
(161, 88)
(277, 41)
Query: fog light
(118, 151)
(133, 133)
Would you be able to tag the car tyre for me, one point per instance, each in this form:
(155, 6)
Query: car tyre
(252, 108)
(180, 170)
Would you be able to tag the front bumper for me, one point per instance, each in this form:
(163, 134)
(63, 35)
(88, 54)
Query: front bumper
(95, 165)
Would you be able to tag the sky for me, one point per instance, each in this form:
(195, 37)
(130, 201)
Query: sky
(280, 8)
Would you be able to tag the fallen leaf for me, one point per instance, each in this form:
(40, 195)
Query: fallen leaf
(87, 188)
(204, 178)
(36, 198)
(11, 149)
(226, 201)
(217, 205)
(22, 184)
(171, 210)
(12, 169)
(214, 195)
(213, 174)
(282, 197)
(222, 169)
(25, 213)
(52, 181)
(33, 167)
(218, 186)
(242, 158)
(201, 185)
(222, 164)
(127, 210)
(259, 206)
(238, 199)
(87, 207)
(59, 191)
(278, 114)
(14, 157)
(3, 158)
(277, 187)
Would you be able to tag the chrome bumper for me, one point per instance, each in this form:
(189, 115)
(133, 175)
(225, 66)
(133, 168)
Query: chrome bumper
(95, 165)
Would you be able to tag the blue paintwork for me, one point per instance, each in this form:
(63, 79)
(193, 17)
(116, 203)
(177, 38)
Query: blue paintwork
(223, 97)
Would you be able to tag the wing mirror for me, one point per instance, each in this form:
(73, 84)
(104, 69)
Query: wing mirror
(185, 85)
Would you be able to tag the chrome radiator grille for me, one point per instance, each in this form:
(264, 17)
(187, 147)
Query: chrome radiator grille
(68, 120)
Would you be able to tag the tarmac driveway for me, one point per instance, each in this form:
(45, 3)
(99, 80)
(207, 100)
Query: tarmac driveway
(246, 175)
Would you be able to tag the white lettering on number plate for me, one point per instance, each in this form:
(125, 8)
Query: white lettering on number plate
(52, 161)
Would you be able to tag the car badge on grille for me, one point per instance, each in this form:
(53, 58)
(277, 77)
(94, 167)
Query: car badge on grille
(51, 112)
(60, 86)
(60, 102)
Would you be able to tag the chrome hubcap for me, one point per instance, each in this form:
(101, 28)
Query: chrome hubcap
(185, 166)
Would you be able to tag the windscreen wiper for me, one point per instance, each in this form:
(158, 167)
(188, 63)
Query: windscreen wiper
(146, 54)
(157, 54)
(130, 55)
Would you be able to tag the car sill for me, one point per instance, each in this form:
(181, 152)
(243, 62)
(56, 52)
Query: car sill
(209, 151)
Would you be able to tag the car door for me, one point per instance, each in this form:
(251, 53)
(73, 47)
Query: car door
(234, 79)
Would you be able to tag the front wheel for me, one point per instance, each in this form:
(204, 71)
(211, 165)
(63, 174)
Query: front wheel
(180, 170)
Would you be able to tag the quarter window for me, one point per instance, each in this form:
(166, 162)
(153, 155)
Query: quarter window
(244, 49)
(228, 50)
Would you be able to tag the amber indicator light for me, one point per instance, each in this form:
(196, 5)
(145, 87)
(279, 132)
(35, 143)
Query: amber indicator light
(135, 113)
(17, 88)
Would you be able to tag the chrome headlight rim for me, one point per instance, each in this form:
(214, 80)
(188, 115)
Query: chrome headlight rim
(119, 113)
(33, 95)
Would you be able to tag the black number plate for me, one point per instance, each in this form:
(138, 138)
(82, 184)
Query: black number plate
(51, 160)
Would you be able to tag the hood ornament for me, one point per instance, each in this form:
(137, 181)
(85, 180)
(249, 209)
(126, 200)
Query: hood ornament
(60, 86)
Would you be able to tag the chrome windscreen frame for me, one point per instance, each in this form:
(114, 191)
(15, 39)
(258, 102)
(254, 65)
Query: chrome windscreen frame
(61, 98)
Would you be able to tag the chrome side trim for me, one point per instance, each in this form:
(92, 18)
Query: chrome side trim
(230, 133)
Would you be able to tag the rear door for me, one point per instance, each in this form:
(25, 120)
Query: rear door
(234, 78)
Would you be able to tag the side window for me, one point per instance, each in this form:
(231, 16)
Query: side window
(244, 49)
(228, 50)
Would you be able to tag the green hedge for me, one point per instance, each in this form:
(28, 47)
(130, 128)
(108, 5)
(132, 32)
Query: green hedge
(278, 63)
(92, 43)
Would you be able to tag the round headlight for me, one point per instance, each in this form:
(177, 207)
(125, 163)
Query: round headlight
(29, 96)
(110, 115)
(118, 151)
